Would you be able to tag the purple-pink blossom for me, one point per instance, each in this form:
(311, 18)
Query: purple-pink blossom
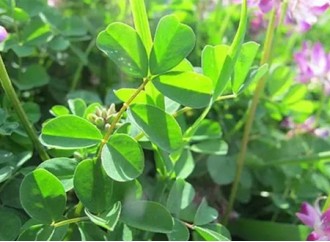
(314, 218)
(314, 65)
(3, 33)
(308, 126)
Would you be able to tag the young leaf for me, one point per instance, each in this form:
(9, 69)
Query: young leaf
(254, 75)
(148, 216)
(59, 110)
(179, 233)
(172, 43)
(225, 166)
(63, 168)
(107, 219)
(77, 106)
(210, 235)
(205, 214)
(160, 127)
(122, 158)
(210, 147)
(43, 196)
(180, 196)
(217, 65)
(70, 132)
(92, 186)
(244, 62)
(187, 88)
(10, 225)
(124, 46)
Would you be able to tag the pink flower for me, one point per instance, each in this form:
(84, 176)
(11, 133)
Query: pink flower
(305, 13)
(308, 126)
(314, 65)
(3, 33)
(320, 222)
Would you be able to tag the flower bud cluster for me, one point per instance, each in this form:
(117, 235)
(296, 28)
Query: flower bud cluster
(103, 117)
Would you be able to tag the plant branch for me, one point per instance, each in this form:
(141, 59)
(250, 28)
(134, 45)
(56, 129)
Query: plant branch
(251, 114)
(11, 94)
(70, 221)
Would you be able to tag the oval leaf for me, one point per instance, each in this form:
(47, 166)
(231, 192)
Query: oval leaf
(70, 132)
(173, 42)
(149, 216)
(122, 158)
(92, 186)
(205, 214)
(160, 127)
(10, 225)
(180, 232)
(124, 46)
(43, 196)
(63, 168)
(187, 88)
(225, 166)
(125, 94)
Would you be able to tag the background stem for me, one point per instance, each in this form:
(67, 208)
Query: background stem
(251, 114)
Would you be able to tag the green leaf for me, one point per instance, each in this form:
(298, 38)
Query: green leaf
(20, 15)
(210, 147)
(91, 232)
(180, 232)
(222, 169)
(70, 132)
(148, 216)
(107, 219)
(124, 94)
(34, 76)
(10, 225)
(124, 46)
(160, 127)
(180, 196)
(217, 65)
(43, 196)
(249, 229)
(77, 106)
(210, 235)
(63, 168)
(172, 43)
(92, 186)
(187, 88)
(122, 158)
(296, 93)
(244, 61)
(205, 214)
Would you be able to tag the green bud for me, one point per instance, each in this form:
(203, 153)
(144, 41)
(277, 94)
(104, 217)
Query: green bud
(99, 122)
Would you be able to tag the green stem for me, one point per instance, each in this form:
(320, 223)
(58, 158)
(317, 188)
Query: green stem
(225, 22)
(10, 92)
(70, 221)
(247, 129)
(141, 22)
(78, 71)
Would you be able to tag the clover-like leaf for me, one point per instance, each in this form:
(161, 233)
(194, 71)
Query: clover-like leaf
(187, 88)
(172, 43)
(124, 46)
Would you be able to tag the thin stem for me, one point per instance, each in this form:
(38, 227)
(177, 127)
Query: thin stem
(78, 71)
(70, 221)
(141, 23)
(10, 92)
(120, 113)
(247, 129)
